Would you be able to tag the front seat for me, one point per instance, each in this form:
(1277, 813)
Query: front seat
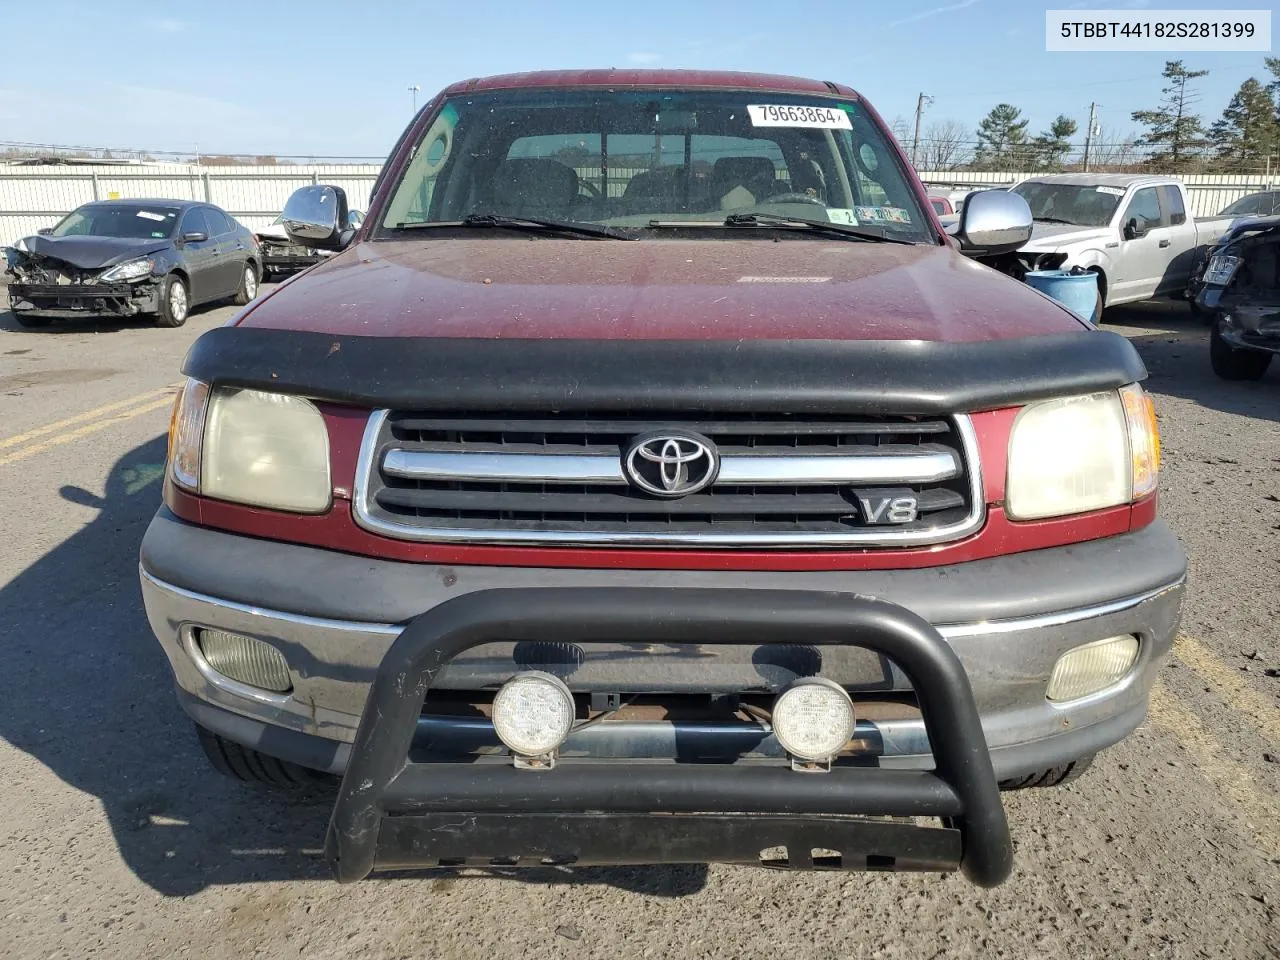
(744, 181)
(531, 187)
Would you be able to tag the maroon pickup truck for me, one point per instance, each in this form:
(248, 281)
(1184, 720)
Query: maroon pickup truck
(650, 479)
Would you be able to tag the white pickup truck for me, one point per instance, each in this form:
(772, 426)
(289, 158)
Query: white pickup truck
(1132, 230)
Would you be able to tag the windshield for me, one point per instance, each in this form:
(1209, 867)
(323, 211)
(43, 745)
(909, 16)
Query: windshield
(129, 222)
(1084, 206)
(630, 158)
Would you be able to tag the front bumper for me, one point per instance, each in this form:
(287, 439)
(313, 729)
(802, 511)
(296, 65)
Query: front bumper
(73, 300)
(1250, 325)
(335, 617)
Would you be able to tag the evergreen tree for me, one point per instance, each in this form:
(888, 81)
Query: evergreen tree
(1247, 134)
(1002, 139)
(1172, 125)
(1052, 146)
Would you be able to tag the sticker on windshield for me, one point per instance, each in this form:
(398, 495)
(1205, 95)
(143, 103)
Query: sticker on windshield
(1113, 191)
(147, 214)
(841, 215)
(782, 115)
(882, 215)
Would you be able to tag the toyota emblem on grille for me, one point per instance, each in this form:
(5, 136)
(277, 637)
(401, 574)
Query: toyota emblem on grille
(671, 464)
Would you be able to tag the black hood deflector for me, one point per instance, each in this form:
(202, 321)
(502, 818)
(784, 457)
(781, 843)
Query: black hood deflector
(673, 376)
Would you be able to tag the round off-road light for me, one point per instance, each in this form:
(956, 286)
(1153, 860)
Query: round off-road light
(533, 713)
(813, 719)
(1095, 666)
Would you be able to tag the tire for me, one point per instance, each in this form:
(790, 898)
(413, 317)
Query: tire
(175, 302)
(30, 322)
(242, 763)
(1229, 363)
(1053, 777)
(248, 286)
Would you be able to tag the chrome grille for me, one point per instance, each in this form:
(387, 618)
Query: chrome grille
(783, 481)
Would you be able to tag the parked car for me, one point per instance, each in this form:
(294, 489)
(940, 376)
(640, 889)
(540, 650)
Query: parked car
(1131, 230)
(280, 255)
(1263, 204)
(121, 258)
(1239, 227)
(549, 517)
(941, 205)
(1241, 296)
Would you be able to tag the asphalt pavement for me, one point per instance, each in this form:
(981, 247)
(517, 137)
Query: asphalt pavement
(117, 840)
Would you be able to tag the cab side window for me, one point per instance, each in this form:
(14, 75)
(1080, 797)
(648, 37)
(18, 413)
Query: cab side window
(1145, 205)
(1171, 200)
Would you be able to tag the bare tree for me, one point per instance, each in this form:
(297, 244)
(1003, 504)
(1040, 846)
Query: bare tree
(901, 130)
(1113, 151)
(944, 145)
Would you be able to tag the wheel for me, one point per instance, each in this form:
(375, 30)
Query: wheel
(1230, 363)
(175, 302)
(239, 762)
(1053, 777)
(248, 286)
(27, 320)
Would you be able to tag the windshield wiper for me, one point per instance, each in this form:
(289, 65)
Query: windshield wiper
(527, 224)
(1070, 223)
(778, 220)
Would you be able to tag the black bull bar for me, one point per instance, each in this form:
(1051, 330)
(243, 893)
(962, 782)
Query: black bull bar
(392, 813)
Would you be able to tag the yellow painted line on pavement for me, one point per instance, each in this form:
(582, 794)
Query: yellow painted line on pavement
(21, 453)
(93, 414)
(1260, 813)
(1232, 685)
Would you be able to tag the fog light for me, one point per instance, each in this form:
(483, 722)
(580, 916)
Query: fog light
(1092, 667)
(533, 714)
(813, 719)
(245, 660)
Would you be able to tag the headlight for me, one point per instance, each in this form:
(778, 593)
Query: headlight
(1085, 453)
(129, 270)
(1220, 270)
(248, 446)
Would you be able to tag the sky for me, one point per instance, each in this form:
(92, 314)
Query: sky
(329, 78)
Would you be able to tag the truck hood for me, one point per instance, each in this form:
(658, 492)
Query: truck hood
(91, 253)
(275, 231)
(1054, 236)
(750, 289)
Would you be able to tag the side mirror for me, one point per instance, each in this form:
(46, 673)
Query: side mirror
(318, 217)
(195, 236)
(44, 231)
(1135, 228)
(993, 222)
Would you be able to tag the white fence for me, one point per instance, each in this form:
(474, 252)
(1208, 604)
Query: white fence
(1207, 192)
(34, 197)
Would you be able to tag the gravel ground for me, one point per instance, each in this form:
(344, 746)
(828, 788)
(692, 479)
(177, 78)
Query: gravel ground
(117, 841)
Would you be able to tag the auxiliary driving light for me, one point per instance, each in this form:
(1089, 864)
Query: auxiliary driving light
(813, 719)
(533, 713)
(1092, 667)
(245, 660)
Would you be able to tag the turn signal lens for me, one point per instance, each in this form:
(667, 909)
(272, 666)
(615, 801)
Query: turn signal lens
(1144, 439)
(186, 431)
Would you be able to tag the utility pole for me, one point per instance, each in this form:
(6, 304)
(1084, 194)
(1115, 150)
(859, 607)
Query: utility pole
(413, 92)
(1089, 134)
(921, 102)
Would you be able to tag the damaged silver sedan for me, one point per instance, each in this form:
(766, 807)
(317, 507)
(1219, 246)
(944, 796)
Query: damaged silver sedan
(123, 258)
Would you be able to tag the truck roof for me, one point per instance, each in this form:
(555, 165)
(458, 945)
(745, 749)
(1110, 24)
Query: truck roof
(613, 77)
(1103, 179)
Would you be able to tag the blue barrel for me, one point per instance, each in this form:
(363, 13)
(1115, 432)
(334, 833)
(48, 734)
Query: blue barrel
(1078, 292)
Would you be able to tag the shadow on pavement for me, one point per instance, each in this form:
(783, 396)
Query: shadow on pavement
(1174, 345)
(86, 691)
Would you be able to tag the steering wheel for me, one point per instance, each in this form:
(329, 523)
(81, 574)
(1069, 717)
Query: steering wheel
(795, 198)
